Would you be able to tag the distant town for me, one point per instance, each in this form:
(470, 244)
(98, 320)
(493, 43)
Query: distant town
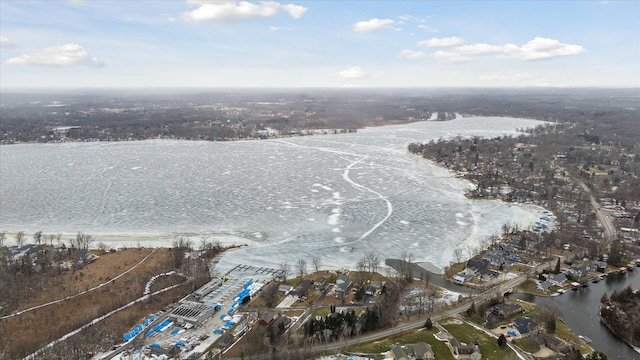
(75, 297)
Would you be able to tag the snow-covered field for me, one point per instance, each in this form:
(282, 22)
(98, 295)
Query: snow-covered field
(333, 196)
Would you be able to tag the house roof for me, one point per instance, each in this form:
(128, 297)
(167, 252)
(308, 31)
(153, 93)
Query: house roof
(525, 325)
(561, 277)
(478, 264)
(462, 349)
(508, 307)
(545, 285)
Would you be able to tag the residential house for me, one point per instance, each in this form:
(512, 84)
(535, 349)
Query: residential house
(495, 257)
(476, 267)
(342, 284)
(267, 319)
(552, 343)
(516, 240)
(544, 286)
(600, 265)
(285, 288)
(461, 278)
(463, 351)
(525, 326)
(301, 288)
(507, 249)
(419, 351)
(506, 310)
(579, 270)
(320, 283)
(557, 279)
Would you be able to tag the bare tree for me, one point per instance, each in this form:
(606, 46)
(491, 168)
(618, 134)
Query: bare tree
(58, 239)
(421, 299)
(19, 238)
(37, 237)
(285, 269)
(406, 264)
(361, 266)
(432, 294)
(373, 261)
(317, 261)
(302, 267)
(204, 242)
(83, 241)
(50, 238)
(3, 237)
(103, 247)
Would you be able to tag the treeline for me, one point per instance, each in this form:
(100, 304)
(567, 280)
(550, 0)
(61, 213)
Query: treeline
(228, 115)
(621, 313)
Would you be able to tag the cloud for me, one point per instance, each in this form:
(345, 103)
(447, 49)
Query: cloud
(295, 11)
(240, 10)
(447, 57)
(372, 25)
(58, 56)
(5, 43)
(354, 72)
(537, 49)
(477, 49)
(279, 28)
(410, 54)
(427, 28)
(442, 42)
(542, 48)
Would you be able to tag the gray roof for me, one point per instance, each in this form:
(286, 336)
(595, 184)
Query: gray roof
(508, 307)
(525, 325)
(545, 285)
(559, 278)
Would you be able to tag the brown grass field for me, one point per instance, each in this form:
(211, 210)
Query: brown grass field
(30, 331)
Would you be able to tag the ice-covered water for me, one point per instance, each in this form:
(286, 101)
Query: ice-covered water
(334, 196)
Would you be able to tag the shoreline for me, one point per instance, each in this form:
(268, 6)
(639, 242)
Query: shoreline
(613, 332)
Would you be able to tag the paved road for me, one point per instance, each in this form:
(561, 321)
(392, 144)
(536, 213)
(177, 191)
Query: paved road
(603, 218)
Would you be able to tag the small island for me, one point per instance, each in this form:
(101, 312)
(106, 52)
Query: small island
(621, 314)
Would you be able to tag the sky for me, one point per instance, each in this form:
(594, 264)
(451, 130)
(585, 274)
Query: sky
(369, 44)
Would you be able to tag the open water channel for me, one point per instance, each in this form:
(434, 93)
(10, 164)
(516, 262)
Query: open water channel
(580, 313)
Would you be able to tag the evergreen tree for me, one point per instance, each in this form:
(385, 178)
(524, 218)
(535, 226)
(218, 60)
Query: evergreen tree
(502, 340)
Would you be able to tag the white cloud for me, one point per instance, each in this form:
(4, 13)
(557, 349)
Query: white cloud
(410, 54)
(354, 72)
(442, 42)
(58, 56)
(279, 28)
(295, 11)
(448, 57)
(427, 28)
(404, 18)
(477, 49)
(240, 10)
(372, 25)
(542, 48)
(537, 49)
(5, 43)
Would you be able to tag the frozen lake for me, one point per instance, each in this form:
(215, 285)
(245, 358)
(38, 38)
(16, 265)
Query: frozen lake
(334, 196)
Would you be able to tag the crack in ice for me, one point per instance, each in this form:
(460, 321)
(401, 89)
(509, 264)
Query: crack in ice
(347, 178)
